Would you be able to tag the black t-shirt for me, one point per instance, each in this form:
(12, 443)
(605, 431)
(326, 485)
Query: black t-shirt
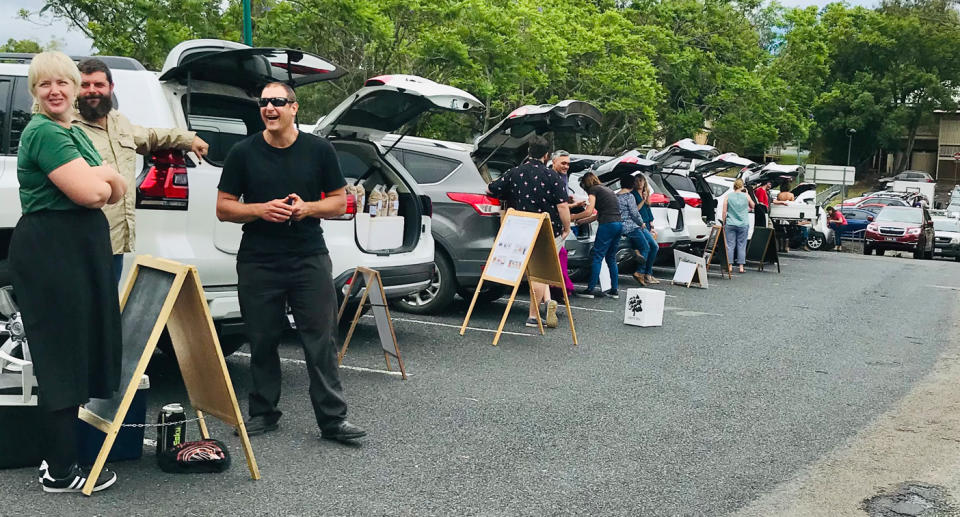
(608, 210)
(532, 187)
(259, 172)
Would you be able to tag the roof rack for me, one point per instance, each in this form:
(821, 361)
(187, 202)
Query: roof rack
(114, 62)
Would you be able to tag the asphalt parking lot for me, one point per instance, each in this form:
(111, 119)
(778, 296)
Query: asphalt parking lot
(744, 384)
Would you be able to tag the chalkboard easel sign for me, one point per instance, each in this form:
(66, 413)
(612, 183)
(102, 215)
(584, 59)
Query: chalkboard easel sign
(762, 248)
(524, 247)
(161, 293)
(715, 251)
(370, 278)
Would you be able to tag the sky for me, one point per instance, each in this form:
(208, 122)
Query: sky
(75, 43)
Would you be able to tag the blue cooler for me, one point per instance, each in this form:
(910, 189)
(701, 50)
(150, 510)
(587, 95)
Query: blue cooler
(129, 442)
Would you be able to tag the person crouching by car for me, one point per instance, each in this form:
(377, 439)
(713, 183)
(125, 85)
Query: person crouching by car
(644, 247)
(836, 221)
(604, 201)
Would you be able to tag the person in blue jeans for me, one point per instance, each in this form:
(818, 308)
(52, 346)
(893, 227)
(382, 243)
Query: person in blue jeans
(836, 221)
(635, 229)
(604, 201)
(736, 210)
(641, 194)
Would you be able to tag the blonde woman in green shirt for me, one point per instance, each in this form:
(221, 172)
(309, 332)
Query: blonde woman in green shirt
(60, 261)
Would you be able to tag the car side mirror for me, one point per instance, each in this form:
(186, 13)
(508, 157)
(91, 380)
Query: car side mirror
(870, 218)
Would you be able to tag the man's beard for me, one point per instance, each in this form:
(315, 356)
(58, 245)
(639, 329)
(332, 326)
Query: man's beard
(97, 112)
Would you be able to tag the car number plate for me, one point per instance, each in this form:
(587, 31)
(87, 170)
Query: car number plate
(891, 238)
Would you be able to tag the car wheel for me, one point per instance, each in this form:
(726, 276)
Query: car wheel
(867, 249)
(578, 274)
(880, 252)
(438, 295)
(957, 257)
(918, 253)
(626, 263)
(815, 241)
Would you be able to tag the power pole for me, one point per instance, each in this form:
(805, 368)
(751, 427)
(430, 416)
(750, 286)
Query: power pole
(247, 24)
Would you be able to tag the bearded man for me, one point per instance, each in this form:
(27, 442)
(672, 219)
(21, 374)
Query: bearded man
(119, 141)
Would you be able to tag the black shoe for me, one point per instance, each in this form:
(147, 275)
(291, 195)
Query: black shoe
(532, 322)
(589, 293)
(74, 481)
(612, 293)
(258, 425)
(344, 431)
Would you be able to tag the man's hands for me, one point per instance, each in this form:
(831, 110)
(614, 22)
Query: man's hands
(282, 210)
(199, 147)
(277, 210)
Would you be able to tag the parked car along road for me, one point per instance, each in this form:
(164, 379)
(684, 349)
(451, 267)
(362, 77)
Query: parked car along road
(947, 237)
(902, 229)
(211, 86)
(920, 176)
(465, 219)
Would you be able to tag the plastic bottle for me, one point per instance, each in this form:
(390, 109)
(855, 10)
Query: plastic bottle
(393, 201)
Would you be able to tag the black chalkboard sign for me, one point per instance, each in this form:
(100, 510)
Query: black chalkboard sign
(160, 293)
(715, 251)
(139, 317)
(761, 248)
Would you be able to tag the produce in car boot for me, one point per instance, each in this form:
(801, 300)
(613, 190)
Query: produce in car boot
(393, 201)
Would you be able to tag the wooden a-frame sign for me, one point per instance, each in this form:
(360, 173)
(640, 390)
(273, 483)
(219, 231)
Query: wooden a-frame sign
(161, 293)
(381, 313)
(524, 247)
(717, 243)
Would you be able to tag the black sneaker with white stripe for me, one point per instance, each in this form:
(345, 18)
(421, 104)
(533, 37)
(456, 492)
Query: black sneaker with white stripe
(74, 481)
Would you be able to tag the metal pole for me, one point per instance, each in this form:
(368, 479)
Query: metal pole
(843, 187)
(247, 24)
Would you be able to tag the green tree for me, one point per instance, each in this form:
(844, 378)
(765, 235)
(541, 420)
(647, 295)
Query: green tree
(28, 46)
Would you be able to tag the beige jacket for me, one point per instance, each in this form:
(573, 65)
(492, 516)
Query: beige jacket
(118, 145)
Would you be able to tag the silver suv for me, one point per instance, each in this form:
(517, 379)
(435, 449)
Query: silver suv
(455, 176)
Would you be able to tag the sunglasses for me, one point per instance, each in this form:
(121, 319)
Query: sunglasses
(277, 102)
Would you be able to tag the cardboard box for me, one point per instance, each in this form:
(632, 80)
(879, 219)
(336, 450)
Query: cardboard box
(644, 307)
(379, 233)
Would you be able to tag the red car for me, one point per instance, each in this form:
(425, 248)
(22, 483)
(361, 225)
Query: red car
(901, 228)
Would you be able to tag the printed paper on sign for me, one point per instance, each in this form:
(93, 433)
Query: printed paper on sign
(511, 248)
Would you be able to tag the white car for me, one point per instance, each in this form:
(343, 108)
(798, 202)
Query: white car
(211, 86)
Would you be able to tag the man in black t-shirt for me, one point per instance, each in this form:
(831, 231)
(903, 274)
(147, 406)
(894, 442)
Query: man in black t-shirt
(289, 181)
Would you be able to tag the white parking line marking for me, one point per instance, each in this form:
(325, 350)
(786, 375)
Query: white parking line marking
(572, 306)
(407, 320)
(946, 287)
(345, 367)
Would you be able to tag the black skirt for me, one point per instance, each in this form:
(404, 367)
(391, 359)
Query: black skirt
(61, 266)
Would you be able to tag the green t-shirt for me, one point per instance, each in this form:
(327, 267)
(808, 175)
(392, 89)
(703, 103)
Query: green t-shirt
(45, 146)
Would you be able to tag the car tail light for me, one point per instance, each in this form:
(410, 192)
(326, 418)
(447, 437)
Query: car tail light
(930, 180)
(692, 201)
(659, 200)
(663, 244)
(484, 205)
(163, 183)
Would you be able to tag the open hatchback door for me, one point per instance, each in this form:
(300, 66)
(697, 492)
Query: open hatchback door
(388, 102)
(504, 145)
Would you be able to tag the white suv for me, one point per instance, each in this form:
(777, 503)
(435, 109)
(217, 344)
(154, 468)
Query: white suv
(211, 86)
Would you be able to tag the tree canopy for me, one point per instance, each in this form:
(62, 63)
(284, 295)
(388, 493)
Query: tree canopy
(750, 74)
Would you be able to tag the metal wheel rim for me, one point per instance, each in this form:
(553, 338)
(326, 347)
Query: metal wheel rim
(815, 242)
(426, 296)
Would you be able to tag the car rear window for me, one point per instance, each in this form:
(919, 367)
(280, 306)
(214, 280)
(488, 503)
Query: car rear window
(680, 182)
(428, 169)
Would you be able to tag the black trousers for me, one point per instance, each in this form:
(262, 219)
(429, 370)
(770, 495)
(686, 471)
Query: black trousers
(305, 283)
